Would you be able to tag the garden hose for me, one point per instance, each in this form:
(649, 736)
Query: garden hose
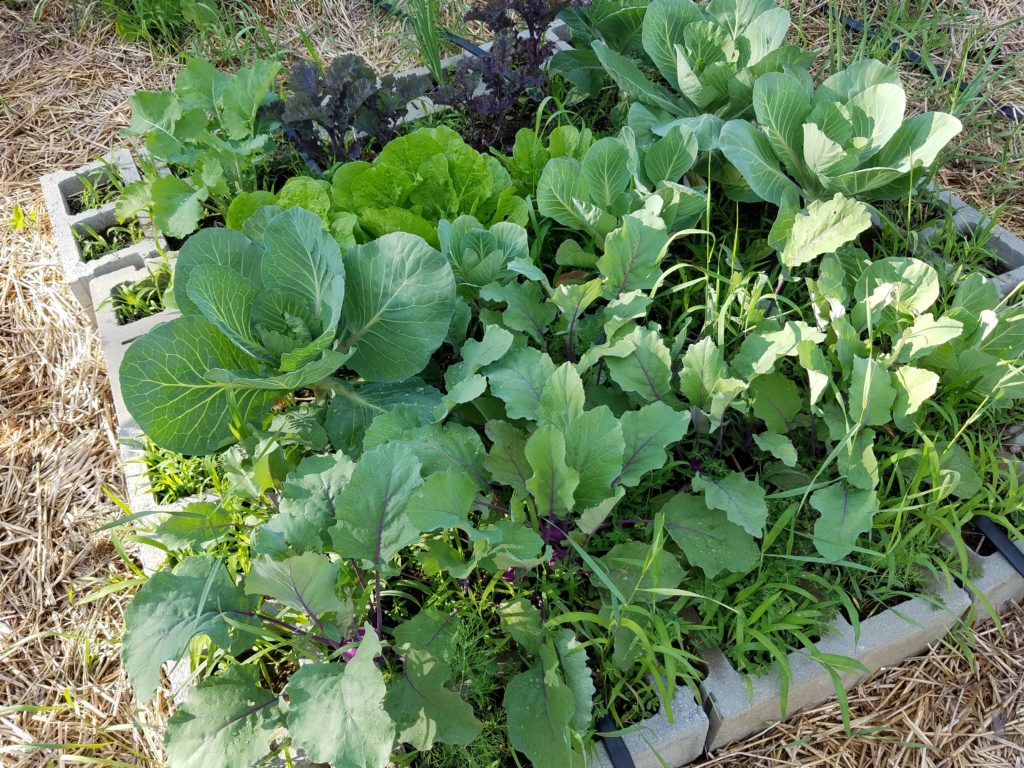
(1009, 111)
(997, 536)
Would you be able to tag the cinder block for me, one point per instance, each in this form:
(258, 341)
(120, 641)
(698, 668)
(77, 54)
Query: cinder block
(115, 338)
(1008, 281)
(57, 188)
(997, 580)
(910, 627)
(740, 705)
(660, 742)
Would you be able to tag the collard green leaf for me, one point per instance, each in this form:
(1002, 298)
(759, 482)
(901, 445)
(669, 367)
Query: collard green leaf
(351, 411)
(926, 334)
(227, 721)
(526, 307)
(562, 398)
(351, 694)
(572, 656)
(914, 387)
(401, 296)
(177, 205)
(424, 711)
(632, 256)
(871, 393)
(646, 368)
(633, 84)
(782, 106)
(199, 598)
(306, 583)
(647, 433)
(672, 155)
(372, 524)
(519, 379)
(594, 448)
(705, 380)
(561, 183)
(823, 229)
(539, 706)
(197, 524)
(779, 446)
(629, 570)
(741, 499)
(443, 501)
(506, 460)
(752, 154)
(522, 620)
(306, 509)
(553, 481)
(708, 538)
(776, 401)
(165, 386)
(846, 513)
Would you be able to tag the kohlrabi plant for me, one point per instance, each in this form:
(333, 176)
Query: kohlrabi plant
(849, 135)
(709, 57)
(208, 133)
(277, 308)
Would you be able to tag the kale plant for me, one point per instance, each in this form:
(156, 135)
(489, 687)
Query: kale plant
(336, 113)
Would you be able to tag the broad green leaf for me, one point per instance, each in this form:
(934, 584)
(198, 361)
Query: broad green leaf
(306, 509)
(647, 433)
(625, 564)
(372, 524)
(519, 379)
(846, 513)
(154, 115)
(562, 399)
(522, 621)
(306, 583)
(199, 598)
(671, 156)
(776, 401)
(227, 721)
(526, 308)
(594, 447)
(572, 655)
(632, 256)
(633, 84)
(445, 447)
(243, 95)
(303, 259)
(917, 141)
(561, 183)
(351, 694)
(539, 706)
(707, 537)
(400, 300)
(177, 206)
(506, 460)
(663, 27)
(908, 286)
(197, 524)
(762, 348)
(958, 471)
(604, 172)
(424, 711)
(752, 154)
(926, 334)
(646, 368)
(782, 105)
(443, 501)
(824, 229)
(704, 379)
(914, 387)
(553, 481)
(741, 499)
(225, 298)
(353, 410)
(871, 393)
(779, 446)
(166, 389)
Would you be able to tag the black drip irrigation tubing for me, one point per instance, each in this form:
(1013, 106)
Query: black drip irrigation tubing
(462, 42)
(1009, 111)
(998, 538)
(618, 753)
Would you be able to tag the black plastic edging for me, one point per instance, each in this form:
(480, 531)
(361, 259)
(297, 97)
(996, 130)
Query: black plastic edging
(995, 534)
(1009, 111)
(462, 42)
(618, 752)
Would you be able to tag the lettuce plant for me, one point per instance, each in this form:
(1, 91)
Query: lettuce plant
(421, 178)
(849, 135)
(209, 132)
(280, 308)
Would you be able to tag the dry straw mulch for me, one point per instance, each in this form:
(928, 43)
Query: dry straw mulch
(938, 710)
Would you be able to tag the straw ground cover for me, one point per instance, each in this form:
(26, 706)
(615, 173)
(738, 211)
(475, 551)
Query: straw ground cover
(981, 43)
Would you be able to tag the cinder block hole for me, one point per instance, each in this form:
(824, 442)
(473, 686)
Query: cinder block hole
(92, 189)
(133, 301)
(102, 235)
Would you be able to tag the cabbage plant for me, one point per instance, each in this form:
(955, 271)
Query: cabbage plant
(848, 136)
(710, 56)
(275, 308)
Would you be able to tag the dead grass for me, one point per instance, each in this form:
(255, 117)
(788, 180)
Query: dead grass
(57, 451)
(933, 711)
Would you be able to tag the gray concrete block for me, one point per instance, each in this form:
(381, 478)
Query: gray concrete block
(1008, 281)
(671, 738)
(740, 705)
(909, 628)
(997, 581)
(967, 220)
(114, 338)
(57, 188)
